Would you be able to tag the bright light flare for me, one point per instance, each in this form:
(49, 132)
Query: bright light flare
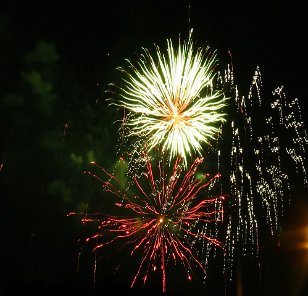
(171, 99)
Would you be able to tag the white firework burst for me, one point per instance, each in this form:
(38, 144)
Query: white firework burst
(171, 99)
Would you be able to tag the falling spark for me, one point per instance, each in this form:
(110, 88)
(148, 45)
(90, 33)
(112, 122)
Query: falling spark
(261, 148)
(166, 215)
(66, 127)
(171, 100)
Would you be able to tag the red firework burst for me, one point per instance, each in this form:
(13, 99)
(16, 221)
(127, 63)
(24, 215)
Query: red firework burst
(163, 219)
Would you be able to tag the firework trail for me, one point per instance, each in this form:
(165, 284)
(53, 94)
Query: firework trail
(170, 100)
(261, 146)
(164, 217)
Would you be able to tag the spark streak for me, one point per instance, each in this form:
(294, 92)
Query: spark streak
(162, 217)
(171, 99)
(262, 149)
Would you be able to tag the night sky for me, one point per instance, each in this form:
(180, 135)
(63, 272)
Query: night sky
(56, 61)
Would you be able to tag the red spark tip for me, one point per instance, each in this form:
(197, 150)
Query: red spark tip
(199, 160)
(85, 220)
(92, 162)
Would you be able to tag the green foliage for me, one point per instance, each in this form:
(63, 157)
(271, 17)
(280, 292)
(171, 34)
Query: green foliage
(120, 171)
(77, 160)
(43, 53)
(13, 100)
(59, 188)
(52, 126)
(38, 86)
(90, 156)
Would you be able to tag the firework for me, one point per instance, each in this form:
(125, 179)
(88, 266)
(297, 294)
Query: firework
(261, 150)
(170, 99)
(166, 216)
(173, 102)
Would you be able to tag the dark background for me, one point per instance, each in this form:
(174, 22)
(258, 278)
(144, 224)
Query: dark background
(56, 60)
